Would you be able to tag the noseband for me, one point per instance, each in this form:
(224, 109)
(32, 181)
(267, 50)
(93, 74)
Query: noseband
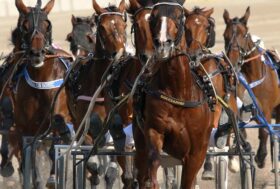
(179, 25)
(35, 17)
(211, 35)
(242, 50)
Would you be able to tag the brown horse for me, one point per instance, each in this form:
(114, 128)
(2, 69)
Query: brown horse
(110, 46)
(200, 36)
(246, 56)
(42, 68)
(167, 124)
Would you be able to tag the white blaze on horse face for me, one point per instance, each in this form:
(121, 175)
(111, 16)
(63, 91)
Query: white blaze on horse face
(197, 21)
(147, 16)
(163, 29)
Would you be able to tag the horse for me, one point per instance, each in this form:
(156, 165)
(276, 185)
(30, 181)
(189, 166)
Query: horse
(245, 55)
(109, 47)
(82, 37)
(169, 113)
(40, 73)
(140, 14)
(200, 35)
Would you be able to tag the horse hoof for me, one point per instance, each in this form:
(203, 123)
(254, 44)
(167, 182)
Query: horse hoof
(221, 142)
(233, 165)
(260, 163)
(51, 182)
(101, 170)
(7, 170)
(208, 175)
(111, 175)
(94, 180)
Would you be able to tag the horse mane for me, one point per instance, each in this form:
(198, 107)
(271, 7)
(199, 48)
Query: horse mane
(197, 10)
(112, 8)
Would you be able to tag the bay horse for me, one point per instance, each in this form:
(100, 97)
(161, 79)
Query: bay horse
(110, 46)
(246, 57)
(140, 13)
(200, 35)
(169, 121)
(40, 73)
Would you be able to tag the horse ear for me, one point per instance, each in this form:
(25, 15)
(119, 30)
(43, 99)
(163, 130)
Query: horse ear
(73, 20)
(245, 18)
(47, 9)
(208, 12)
(226, 16)
(122, 6)
(187, 12)
(97, 8)
(92, 20)
(181, 2)
(134, 5)
(69, 37)
(21, 7)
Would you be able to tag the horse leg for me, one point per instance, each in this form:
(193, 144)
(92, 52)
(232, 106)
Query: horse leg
(140, 155)
(262, 150)
(111, 173)
(7, 168)
(155, 144)
(191, 167)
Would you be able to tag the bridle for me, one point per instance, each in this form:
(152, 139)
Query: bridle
(134, 24)
(100, 37)
(243, 50)
(76, 44)
(35, 16)
(210, 41)
(180, 25)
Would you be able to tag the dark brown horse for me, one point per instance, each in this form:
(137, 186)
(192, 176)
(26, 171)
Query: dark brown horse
(82, 37)
(167, 124)
(40, 73)
(246, 57)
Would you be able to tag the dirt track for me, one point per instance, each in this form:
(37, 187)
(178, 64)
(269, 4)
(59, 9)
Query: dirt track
(264, 22)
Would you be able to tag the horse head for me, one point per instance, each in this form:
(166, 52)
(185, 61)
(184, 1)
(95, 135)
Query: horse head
(141, 28)
(167, 22)
(82, 37)
(199, 27)
(236, 37)
(110, 32)
(34, 31)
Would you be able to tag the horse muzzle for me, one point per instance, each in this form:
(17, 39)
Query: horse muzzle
(37, 58)
(163, 49)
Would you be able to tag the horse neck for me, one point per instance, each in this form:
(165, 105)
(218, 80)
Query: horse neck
(253, 69)
(51, 70)
(175, 77)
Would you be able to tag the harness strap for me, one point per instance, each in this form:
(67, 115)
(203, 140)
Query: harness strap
(253, 58)
(88, 98)
(174, 101)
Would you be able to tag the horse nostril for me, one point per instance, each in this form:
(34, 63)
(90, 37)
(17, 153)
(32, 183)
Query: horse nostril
(156, 42)
(143, 57)
(114, 54)
(37, 52)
